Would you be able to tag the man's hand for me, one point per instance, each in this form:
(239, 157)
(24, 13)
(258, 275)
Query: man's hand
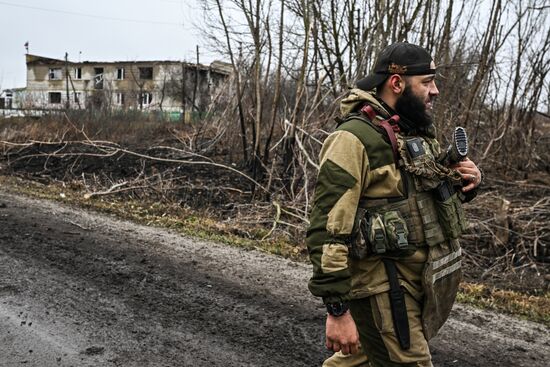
(342, 334)
(469, 172)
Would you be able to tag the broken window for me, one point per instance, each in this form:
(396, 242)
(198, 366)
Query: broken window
(77, 97)
(146, 73)
(55, 97)
(55, 74)
(146, 98)
(8, 101)
(98, 79)
(119, 99)
(78, 73)
(120, 73)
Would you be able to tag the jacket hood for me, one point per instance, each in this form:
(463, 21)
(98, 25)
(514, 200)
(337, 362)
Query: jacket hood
(356, 98)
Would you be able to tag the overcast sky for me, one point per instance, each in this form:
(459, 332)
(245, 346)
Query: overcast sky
(103, 30)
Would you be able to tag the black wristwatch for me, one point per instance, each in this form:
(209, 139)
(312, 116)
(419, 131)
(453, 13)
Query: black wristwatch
(337, 308)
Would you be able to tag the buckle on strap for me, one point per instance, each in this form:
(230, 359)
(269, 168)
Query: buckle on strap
(401, 237)
(379, 237)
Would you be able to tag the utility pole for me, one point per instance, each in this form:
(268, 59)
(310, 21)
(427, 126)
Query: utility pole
(183, 92)
(196, 82)
(77, 100)
(68, 102)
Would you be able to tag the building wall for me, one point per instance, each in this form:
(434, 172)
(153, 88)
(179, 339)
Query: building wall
(163, 91)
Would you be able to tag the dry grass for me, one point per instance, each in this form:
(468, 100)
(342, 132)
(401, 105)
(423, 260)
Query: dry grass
(535, 308)
(121, 129)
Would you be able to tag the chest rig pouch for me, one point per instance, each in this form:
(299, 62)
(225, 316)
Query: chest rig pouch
(380, 233)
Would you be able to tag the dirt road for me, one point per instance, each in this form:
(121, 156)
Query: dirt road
(83, 289)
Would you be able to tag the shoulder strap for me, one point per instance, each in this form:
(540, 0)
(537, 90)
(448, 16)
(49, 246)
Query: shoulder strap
(390, 127)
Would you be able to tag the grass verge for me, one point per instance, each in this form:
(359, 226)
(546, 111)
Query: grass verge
(531, 307)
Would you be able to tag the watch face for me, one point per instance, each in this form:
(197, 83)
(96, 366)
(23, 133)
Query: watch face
(337, 308)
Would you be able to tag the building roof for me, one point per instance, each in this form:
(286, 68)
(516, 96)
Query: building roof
(218, 66)
(41, 60)
(13, 90)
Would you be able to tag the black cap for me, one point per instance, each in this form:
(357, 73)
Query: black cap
(399, 58)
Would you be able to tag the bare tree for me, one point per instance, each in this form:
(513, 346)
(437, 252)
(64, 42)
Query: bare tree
(494, 68)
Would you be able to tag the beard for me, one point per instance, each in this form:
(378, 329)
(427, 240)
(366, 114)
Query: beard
(410, 106)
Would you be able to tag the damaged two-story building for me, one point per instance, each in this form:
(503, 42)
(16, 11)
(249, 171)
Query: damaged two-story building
(148, 85)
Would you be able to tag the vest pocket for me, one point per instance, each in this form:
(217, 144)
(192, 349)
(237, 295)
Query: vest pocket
(386, 234)
(451, 216)
(464, 224)
(396, 230)
(357, 246)
(433, 233)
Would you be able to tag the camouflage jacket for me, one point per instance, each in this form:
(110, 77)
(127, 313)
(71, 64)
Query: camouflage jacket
(356, 164)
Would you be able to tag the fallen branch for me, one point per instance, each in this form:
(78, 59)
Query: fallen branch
(277, 218)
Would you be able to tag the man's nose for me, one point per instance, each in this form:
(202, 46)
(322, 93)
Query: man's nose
(433, 89)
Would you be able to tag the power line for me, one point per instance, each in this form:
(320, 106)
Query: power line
(90, 15)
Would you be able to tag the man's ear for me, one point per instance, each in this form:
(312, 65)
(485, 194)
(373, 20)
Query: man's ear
(396, 84)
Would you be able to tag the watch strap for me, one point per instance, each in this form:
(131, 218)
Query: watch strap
(337, 308)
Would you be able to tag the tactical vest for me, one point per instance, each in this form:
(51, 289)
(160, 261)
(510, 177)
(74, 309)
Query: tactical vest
(429, 213)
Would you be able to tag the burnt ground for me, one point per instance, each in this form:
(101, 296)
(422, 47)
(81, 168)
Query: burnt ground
(83, 289)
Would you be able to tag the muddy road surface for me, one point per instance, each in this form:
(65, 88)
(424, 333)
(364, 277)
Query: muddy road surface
(84, 289)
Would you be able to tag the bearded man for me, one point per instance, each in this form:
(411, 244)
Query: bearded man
(387, 214)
